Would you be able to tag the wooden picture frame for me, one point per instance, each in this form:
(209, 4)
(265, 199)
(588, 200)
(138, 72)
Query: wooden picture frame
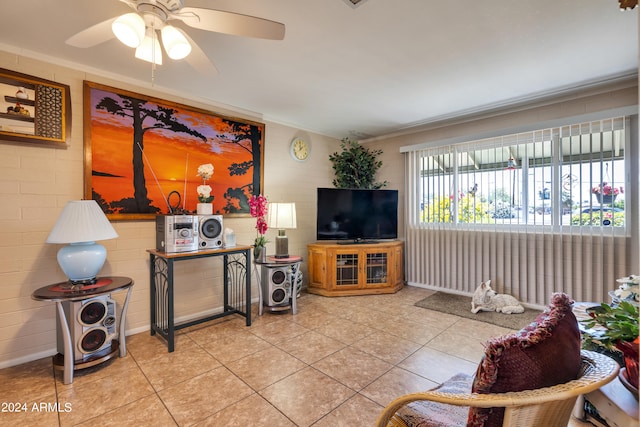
(142, 155)
(34, 110)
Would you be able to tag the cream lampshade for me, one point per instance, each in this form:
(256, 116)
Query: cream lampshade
(175, 43)
(80, 224)
(282, 216)
(129, 29)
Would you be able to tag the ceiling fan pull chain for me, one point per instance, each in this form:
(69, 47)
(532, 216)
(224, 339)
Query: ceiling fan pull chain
(153, 54)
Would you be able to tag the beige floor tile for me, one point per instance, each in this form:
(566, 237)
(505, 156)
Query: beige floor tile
(311, 346)
(435, 319)
(436, 365)
(187, 361)
(395, 383)
(306, 396)
(336, 306)
(420, 333)
(372, 318)
(283, 329)
(207, 332)
(144, 346)
(387, 347)
(113, 367)
(202, 396)
(353, 368)
(29, 382)
(481, 331)
(265, 367)
(23, 413)
(311, 318)
(253, 411)
(335, 363)
(230, 347)
(148, 411)
(454, 341)
(269, 317)
(355, 412)
(94, 398)
(344, 330)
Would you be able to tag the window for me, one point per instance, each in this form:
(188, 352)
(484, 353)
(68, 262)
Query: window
(571, 176)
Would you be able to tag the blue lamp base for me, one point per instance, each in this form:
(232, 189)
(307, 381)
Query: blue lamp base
(81, 262)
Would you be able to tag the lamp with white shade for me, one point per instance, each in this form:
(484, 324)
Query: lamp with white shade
(282, 216)
(80, 224)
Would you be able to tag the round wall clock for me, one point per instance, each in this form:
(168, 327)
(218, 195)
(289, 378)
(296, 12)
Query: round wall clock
(300, 149)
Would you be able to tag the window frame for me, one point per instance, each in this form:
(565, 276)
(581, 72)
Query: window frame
(557, 161)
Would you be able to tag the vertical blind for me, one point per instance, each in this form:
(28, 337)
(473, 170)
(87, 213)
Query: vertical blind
(536, 212)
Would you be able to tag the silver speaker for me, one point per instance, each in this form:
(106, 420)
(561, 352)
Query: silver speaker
(211, 231)
(276, 285)
(92, 325)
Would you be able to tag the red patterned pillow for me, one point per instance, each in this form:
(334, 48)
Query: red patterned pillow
(545, 353)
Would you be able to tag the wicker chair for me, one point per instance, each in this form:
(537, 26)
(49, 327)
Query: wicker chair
(549, 406)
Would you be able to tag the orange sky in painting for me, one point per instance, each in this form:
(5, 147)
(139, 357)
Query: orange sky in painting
(167, 154)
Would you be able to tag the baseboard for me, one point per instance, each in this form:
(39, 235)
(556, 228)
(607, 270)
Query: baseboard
(144, 328)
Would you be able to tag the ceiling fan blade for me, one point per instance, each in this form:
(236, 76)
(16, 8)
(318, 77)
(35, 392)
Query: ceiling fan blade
(198, 59)
(93, 35)
(230, 23)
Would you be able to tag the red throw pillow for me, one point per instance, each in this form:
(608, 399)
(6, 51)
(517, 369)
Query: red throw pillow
(545, 353)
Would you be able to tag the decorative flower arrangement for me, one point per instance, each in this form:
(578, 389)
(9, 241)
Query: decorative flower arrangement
(204, 190)
(258, 209)
(615, 328)
(629, 290)
(606, 190)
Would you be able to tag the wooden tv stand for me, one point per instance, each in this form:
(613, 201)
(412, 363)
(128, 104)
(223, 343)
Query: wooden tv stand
(338, 269)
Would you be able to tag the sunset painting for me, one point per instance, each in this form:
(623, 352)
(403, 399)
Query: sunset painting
(142, 155)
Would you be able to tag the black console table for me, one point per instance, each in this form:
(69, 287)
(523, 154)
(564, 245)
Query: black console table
(237, 272)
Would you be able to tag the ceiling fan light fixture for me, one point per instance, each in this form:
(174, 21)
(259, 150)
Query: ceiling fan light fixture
(149, 50)
(175, 43)
(129, 29)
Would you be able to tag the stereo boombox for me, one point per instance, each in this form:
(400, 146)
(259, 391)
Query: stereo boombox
(210, 231)
(186, 233)
(177, 233)
(92, 325)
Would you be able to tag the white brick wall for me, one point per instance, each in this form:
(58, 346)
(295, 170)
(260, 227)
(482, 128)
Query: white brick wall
(37, 181)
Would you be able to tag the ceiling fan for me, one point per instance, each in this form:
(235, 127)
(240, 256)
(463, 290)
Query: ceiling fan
(139, 30)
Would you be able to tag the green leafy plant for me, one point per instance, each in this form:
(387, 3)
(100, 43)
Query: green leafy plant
(613, 323)
(614, 329)
(356, 166)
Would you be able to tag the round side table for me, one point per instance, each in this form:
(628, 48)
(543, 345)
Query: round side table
(98, 316)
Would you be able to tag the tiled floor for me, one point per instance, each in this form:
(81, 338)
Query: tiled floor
(336, 363)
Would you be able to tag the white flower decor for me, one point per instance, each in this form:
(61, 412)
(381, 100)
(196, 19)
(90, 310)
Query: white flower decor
(204, 191)
(205, 171)
(629, 290)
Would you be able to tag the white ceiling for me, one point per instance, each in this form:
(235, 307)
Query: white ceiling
(376, 69)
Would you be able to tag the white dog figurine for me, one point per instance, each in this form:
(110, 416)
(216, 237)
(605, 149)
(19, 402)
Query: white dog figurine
(486, 299)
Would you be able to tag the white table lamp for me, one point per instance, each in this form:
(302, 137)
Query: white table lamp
(282, 216)
(80, 224)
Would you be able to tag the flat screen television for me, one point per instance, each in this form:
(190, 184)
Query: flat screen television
(352, 215)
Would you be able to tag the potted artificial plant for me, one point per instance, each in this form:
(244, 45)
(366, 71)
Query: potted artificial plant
(614, 329)
(356, 166)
